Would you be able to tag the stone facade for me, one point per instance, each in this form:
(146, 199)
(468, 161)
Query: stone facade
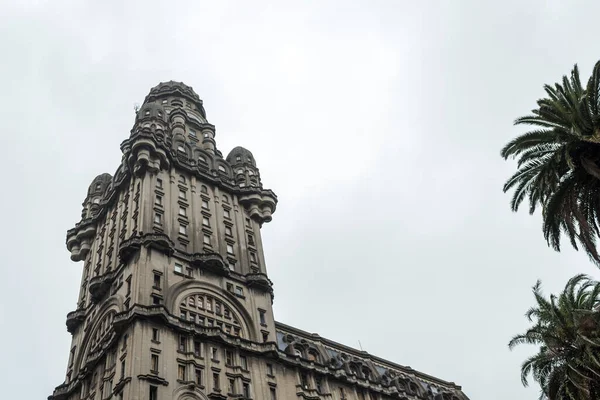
(175, 301)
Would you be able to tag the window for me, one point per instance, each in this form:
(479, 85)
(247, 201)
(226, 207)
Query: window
(182, 343)
(181, 178)
(203, 189)
(157, 218)
(226, 214)
(261, 314)
(182, 194)
(155, 300)
(273, 393)
(147, 112)
(205, 221)
(206, 239)
(217, 308)
(214, 353)
(164, 101)
(319, 384)
(182, 211)
(221, 168)
(229, 249)
(312, 356)
(156, 281)
(227, 313)
(205, 204)
(154, 363)
(122, 369)
(252, 257)
(239, 291)
(192, 133)
(153, 393)
(215, 380)
(231, 266)
(231, 386)
(192, 317)
(158, 201)
(238, 158)
(198, 377)
(248, 221)
(181, 372)
(209, 304)
(183, 315)
(182, 230)
(202, 159)
(179, 268)
(197, 348)
(342, 393)
(180, 149)
(228, 231)
(269, 369)
(96, 201)
(159, 183)
(228, 357)
(244, 362)
(206, 134)
(265, 336)
(297, 353)
(155, 334)
(304, 380)
(246, 390)
(229, 287)
(225, 199)
(251, 239)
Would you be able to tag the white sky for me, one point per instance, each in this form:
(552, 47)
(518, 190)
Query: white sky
(377, 123)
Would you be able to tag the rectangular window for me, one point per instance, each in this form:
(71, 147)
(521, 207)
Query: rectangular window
(229, 249)
(205, 204)
(221, 168)
(269, 369)
(153, 393)
(244, 362)
(250, 239)
(122, 369)
(155, 334)
(198, 377)
(192, 317)
(226, 214)
(273, 393)
(304, 380)
(229, 287)
(178, 268)
(155, 300)
(228, 358)
(182, 343)
(181, 178)
(319, 384)
(342, 393)
(246, 389)
(248, 221)
(261, 314)
(239, 291)
(128, 281)
(265, 336)
(154, 363)
(157, 218)
(206, 239)
(192, 133)
(231, 266)
(181, 194)
(231, 386)
(252, 257)
(156, 281)
(215, 381)
(205, 221)
(214, 353)
(228, 231)
(197, 348)
(158, 201)
(181, 372)
(217, 308)
(159, 183)
(182, 211)
(182, 230)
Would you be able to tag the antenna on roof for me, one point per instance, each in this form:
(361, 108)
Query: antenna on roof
(136, 107)
(360, 345)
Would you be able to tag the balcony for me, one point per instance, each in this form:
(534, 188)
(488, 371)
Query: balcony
(74, 319)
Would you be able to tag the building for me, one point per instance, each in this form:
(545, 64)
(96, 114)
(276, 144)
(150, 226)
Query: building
(175, 300)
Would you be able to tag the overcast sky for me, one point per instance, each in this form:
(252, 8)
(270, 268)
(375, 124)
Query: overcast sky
(378, 124)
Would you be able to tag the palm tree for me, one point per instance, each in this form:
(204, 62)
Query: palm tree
(566, 328)
(559, 162)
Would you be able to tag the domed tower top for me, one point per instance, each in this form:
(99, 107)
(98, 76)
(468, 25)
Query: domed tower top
(172, 88)
(99, 185)
(240, 155)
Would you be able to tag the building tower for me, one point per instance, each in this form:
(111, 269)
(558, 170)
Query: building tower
(175, 301)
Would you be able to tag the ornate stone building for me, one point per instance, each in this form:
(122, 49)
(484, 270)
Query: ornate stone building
(175, 301)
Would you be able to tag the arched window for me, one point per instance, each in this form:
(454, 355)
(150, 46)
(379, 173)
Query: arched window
(192, 309)
(312, 355)
(202, 159)
(96, 201)
(180, 149)
(204, 189)
(221, 168)
(225, 199)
